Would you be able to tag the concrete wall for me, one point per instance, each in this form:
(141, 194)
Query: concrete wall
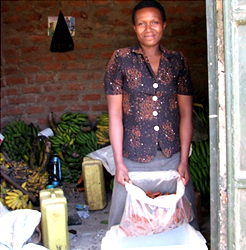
(36, 81)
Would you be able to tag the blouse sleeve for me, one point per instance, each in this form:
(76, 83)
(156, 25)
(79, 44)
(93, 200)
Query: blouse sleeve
(113, 79)
(185, 86)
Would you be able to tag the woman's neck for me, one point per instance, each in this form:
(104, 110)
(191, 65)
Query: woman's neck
(152, 51)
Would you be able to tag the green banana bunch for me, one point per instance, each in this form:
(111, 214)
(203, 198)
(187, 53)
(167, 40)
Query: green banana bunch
(18, 140)
(200, 168)
(73, 139)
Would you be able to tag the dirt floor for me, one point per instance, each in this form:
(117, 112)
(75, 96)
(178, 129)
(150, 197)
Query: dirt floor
(92, 229)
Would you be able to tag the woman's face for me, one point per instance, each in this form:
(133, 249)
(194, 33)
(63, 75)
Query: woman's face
(149, 26)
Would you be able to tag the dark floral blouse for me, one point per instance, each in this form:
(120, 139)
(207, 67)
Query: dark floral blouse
(150, 108)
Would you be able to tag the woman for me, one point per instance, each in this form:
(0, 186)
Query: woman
(149, 95)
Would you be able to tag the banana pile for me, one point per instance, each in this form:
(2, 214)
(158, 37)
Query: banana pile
(1, 158)
(73, 138)
(199, 160)
(102, 131)
(36, 181)
(15, 199)
(200, 167)
(18, 140)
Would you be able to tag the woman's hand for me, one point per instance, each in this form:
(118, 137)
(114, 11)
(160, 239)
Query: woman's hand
(122, 174)
(183, 170)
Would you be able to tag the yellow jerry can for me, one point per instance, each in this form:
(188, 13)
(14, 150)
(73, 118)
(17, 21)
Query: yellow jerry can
(54, 219)
(94, 183)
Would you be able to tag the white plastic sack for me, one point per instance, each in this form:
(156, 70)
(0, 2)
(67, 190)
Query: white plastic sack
(184, 237)
(16, 228)
(144, 215)
(105, 155)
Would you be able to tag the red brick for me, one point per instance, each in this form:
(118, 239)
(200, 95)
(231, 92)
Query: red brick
(15, 81)
(11, 19)
(44, 77)
(102, 12)
(34, 17)
(42, 58)
(92, 75)
(68, 76)
(80, 108)
(126, 11)
(91, 97)
(53, 67)
(39, 38)
(88, 56)
(79, 46)
(106, 55)
(52, 87)
(75, 86)
(31, 69)
(98, 2)
(43, 122)
(9, 52)
(27, 29)
(69, 97)
(98, 65)
(47, 4)
(119, 23)
(13, 41)
(29, 49)
(97, 86)
(46, 98)
(4, 8)
(31, 79)
(58, 108)
(181, 31)
(66, 57)
(10, 92)
(35, 110)
(177, 10)
(123, 2)
(87, 35)
(100, 46)
(77, 4)
(79, 14)
(30, 90)
(99, 107)
(11, 71)
(24, 7)
(75, 65)
(13, 60)
(17, 100)
(9, 111)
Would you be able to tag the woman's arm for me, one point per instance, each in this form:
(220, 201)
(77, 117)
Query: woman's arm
(185, 131)
(116, 136)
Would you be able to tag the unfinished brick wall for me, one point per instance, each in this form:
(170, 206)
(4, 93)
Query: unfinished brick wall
(36, 81)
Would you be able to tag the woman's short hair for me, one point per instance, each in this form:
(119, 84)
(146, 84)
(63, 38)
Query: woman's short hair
(148, 4)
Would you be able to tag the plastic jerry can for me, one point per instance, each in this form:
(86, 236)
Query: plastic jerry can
(54, 219)
(94, 183)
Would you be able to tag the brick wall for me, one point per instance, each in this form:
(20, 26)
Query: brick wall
(36, 81)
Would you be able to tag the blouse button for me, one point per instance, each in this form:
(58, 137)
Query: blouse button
(155, 113)
(155, 85)
(156, 128)
(154, 98)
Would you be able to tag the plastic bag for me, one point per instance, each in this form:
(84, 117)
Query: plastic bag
(144, 215)
(16, 227)
(62, 40)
